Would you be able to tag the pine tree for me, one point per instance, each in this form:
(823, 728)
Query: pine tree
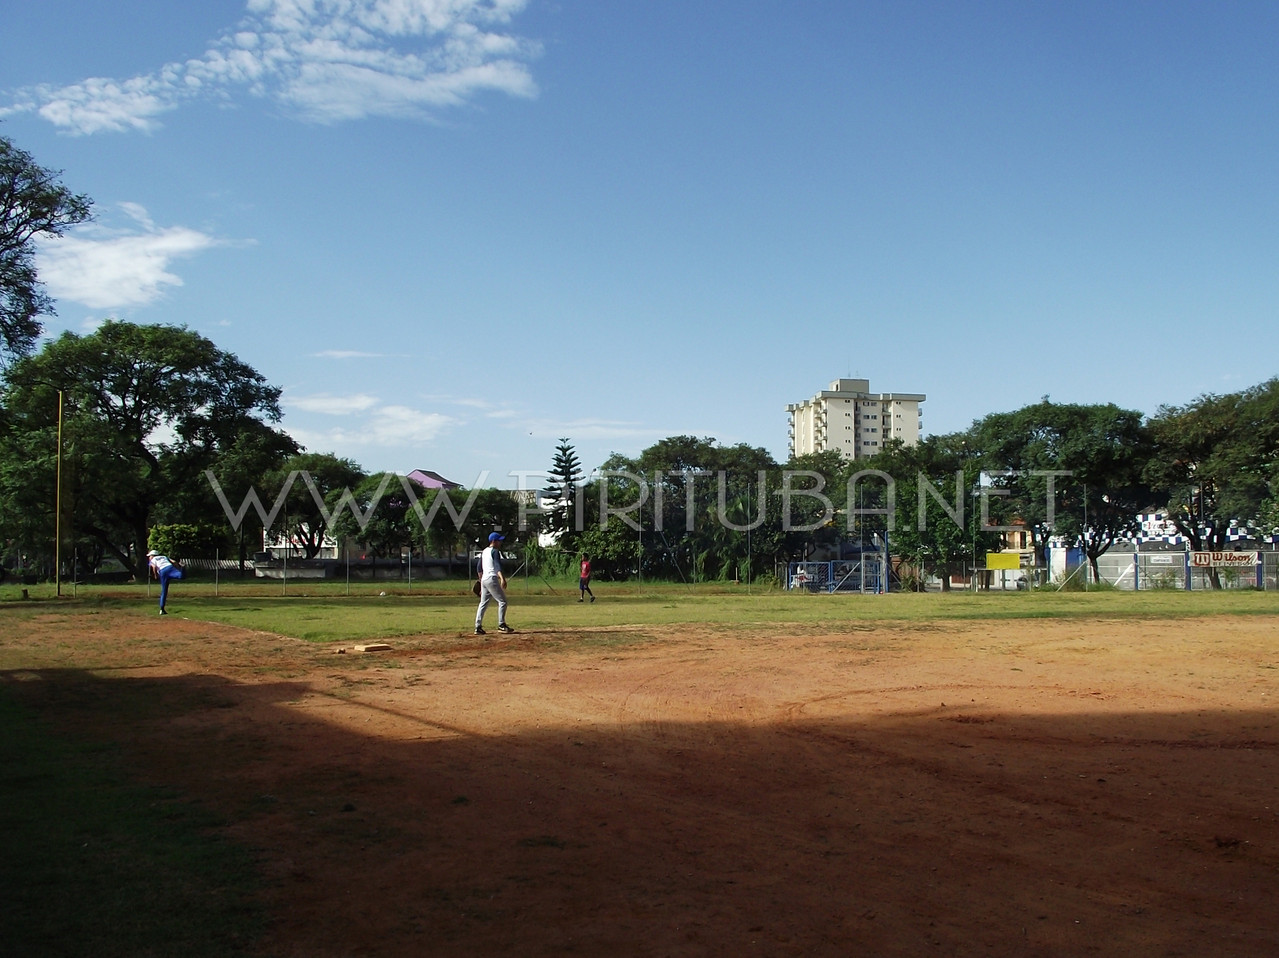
(565, 474)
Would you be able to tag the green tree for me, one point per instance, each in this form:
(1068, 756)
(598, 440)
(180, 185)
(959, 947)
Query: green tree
(28, 469)
(315, 478)
(1069, 470)
(183, 540)
(1216, 463)
(1268, 520)
(686, 508)
(33, 204)
(385, 514)
(938, 524)
(449, 521)
(377, 513)
(247, 467)
(145, 410)
(437, 532)
(492, 510)
(810, 523)
(562, 485)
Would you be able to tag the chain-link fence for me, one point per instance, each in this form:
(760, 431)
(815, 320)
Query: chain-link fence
(864, 574)
(1270, 570)
(1177, 570)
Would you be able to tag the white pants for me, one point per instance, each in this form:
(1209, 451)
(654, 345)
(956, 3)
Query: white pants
(491, 589)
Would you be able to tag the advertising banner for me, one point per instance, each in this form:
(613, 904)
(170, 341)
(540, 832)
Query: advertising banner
(1219, 560)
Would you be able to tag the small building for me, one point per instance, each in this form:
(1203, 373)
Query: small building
(432, 480)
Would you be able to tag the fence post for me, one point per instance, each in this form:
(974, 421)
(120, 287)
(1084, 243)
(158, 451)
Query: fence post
(1136, 571)
(1189, 573)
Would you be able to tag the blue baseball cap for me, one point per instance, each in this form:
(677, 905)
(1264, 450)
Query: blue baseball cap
(496, 537)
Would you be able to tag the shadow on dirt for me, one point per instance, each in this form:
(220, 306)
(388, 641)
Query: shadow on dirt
(950, 831)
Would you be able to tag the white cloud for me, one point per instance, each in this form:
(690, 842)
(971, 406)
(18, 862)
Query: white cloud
(469, 402)
(372, 423)
(99, 105)
(329, 60)
(332, 405)
(105, 268)
(382, 426)
(393, 425)
(595, 429)
(515, 417)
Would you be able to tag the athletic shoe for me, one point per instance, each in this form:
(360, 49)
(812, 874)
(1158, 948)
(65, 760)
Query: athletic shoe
(162, 612)
(480, 632)
(505, 628)
(592, 598)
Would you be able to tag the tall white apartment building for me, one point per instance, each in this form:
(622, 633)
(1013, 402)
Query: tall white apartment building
(851, 419)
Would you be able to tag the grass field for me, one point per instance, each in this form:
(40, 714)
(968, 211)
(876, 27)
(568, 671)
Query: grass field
(326, 612)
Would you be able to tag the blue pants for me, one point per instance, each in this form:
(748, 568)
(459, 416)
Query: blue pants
(172, 572)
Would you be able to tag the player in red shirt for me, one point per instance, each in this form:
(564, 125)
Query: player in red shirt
(584, 580)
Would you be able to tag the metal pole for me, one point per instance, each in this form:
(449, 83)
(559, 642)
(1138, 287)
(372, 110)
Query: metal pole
(57, 508)
(284, 569)
(883, 567)
(973, 519)
(1085, 536)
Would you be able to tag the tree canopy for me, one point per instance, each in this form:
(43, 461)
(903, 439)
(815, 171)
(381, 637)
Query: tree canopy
(315, 479)
(33, 204)
(1216, 463)
(146, 409)
(939, 523)
(685, 507)
(1068, 470)
(387, 513)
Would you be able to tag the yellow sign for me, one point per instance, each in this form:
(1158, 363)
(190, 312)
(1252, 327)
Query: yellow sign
(1003, 560)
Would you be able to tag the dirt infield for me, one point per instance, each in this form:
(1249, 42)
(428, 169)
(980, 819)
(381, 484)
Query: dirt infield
(996, 788)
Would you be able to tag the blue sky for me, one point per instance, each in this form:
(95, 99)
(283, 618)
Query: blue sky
(454, 231)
